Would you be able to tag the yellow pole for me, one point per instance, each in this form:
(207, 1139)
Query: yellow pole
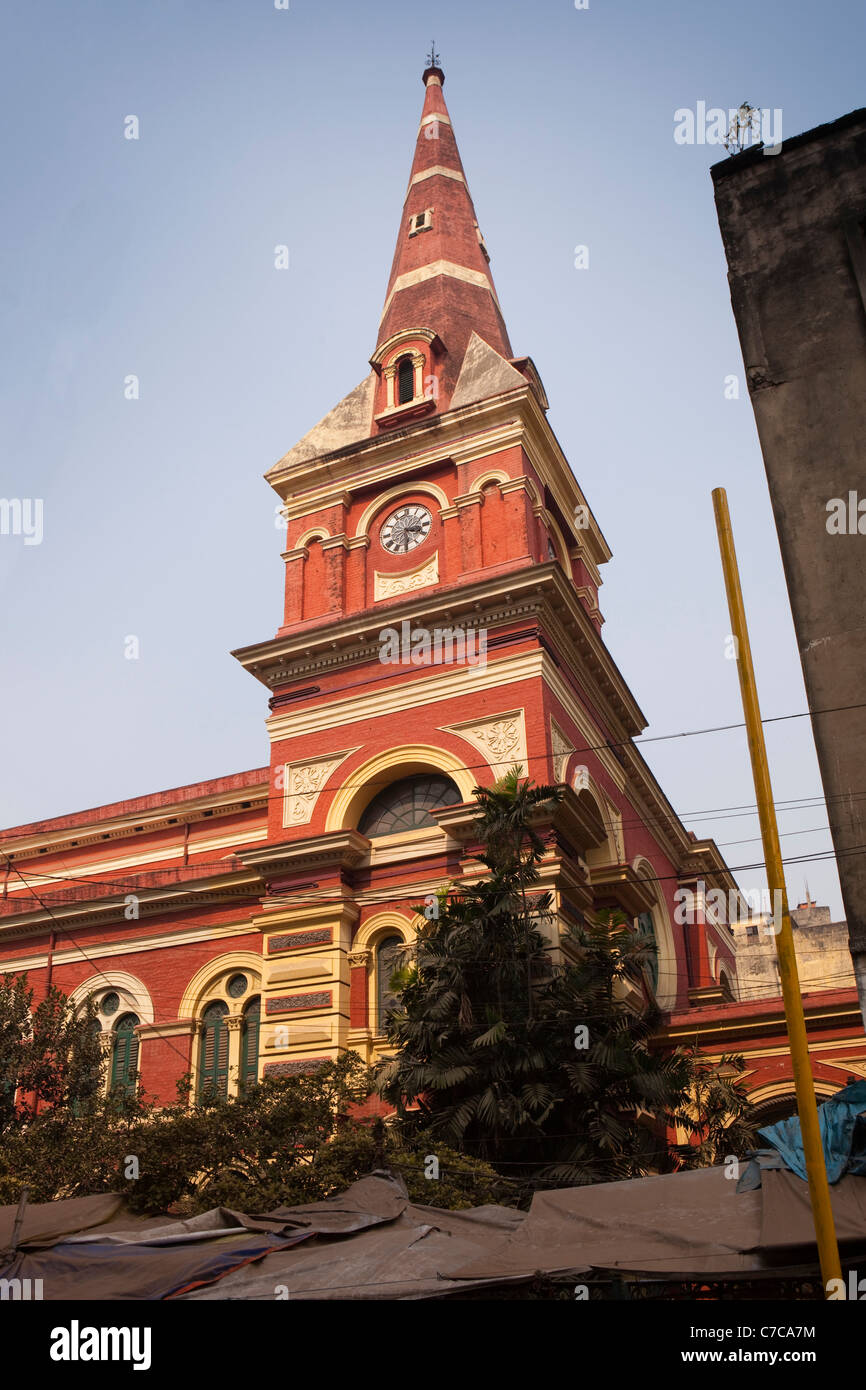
(816, 1171)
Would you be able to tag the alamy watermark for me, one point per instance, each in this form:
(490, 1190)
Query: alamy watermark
(22, 516)
(738, 128)
(728, 908)
(846, 517)
(438, 646)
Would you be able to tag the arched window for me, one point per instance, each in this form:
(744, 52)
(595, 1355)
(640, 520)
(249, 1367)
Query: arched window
(387, 961)
(249, 1064)
(213, 1071)
(405, 380)
(647, 937)
(124, 1054)
(406, 805)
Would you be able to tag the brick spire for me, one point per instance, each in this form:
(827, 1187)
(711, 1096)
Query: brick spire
(440, 277)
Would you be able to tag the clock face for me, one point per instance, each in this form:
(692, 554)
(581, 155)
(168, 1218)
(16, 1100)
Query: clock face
(406, 528)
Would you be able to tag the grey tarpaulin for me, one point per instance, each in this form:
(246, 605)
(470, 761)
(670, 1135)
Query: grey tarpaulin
(371, 1242)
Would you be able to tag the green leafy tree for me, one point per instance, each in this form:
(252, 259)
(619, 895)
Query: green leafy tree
(549, 1075)
(283, 1142)
(717, 1112)
(49, 1055)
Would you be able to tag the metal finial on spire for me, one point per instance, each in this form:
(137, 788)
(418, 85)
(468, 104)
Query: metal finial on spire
(433, 57)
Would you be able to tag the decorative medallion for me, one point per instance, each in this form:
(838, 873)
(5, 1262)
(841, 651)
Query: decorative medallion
(501, 739)
(389, 585)
(303, 783)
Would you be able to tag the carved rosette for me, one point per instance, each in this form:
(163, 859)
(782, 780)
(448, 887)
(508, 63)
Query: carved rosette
(501, 739)
(303, 782)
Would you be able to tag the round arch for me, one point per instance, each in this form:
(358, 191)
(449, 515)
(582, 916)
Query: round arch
(373, 935)
(362, 784)
(134, 994)
(559, 544)
(401, 490)
(490, 475)
(776, 1097)
(315, 533)
(205, 982)
(385, 924)
(607, 852)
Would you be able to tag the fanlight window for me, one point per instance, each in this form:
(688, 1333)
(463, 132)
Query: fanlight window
(405, 381)
(406, 805)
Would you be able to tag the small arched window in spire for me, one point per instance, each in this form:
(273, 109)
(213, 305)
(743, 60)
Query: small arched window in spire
(405, 380)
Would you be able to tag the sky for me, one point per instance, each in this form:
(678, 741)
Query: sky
(153, 258)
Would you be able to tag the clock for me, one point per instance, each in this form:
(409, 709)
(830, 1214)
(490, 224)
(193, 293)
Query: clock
(406, 528)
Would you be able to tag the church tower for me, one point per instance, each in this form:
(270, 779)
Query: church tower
(441, 624)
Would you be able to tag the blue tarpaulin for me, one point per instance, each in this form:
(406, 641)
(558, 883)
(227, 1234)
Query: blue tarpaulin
(842, 1121)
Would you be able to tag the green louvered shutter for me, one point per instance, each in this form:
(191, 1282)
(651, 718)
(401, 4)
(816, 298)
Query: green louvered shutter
(213, 1073)
(124, 1056)
(250, 1045)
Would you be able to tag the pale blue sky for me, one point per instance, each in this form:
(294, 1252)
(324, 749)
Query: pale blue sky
(155, 257)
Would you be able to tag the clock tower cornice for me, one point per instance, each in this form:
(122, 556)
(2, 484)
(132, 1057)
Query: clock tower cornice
(538, 592)
(470, 432)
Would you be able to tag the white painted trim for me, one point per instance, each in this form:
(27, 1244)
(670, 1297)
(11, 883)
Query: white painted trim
(87, 868)
(75, 955)
(429, 272)
(437, 169)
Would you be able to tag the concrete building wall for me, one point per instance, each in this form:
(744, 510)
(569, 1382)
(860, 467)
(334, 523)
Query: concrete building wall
(823, 957)
(794, 232)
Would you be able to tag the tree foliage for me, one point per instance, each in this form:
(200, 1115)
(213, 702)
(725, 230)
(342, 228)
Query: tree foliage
(285, 1141)
(546, 1073)
(718, 1112)
(50, 1058)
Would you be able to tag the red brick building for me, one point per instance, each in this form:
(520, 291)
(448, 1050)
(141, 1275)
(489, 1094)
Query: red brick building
(441, 624)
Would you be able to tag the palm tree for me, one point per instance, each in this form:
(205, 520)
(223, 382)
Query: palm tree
(485, 1035)
(512, 843)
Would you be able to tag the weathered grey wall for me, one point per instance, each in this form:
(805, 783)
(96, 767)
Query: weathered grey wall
(823, 957)
(794, 231)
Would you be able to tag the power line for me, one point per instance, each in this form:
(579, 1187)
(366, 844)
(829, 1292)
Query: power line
(613, 743)
(130, 881)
